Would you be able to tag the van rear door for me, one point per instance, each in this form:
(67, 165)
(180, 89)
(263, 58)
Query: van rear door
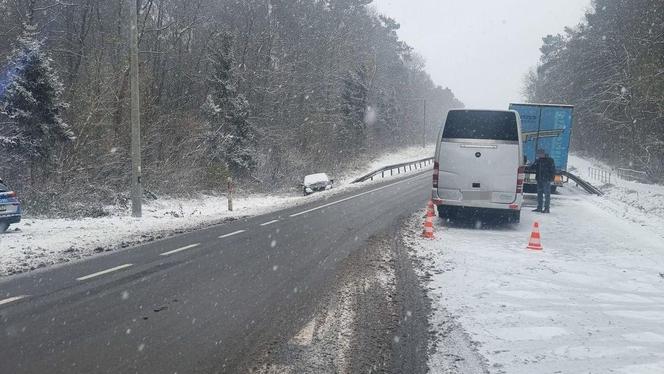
(479, 157)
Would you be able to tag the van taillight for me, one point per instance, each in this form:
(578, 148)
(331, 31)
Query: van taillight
(436, 172)
(520, 178)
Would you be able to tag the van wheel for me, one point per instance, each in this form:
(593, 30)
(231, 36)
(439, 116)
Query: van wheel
(514, 217)
(3, 227)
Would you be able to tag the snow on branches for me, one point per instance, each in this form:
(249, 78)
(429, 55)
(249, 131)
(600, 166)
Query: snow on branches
(31, 102)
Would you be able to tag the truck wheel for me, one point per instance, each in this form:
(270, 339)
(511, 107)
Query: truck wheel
(515, 217)
(3, 227)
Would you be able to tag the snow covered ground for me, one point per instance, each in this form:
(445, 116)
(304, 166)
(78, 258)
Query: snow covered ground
(639, 202)
(591, 302)
(39, 242)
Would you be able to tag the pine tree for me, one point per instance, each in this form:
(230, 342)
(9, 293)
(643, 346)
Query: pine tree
(31, 101)
(231, 139)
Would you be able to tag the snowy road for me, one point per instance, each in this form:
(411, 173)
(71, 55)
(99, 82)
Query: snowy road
(205, 301)
(215, 300)
(591, 302)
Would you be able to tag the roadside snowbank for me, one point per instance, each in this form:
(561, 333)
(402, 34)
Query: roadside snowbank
(39, 242)
(592, 301)
(637, 202)
(403, 155)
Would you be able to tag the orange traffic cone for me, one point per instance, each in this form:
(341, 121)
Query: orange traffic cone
(535, 240)
(428, 222)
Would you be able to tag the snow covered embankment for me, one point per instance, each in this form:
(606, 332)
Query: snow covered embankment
(592, 301)
(638, 202)
(39, 242)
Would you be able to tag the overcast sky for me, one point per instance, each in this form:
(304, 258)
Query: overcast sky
(481, 49)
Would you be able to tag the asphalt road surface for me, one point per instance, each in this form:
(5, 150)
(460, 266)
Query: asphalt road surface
(204, 301)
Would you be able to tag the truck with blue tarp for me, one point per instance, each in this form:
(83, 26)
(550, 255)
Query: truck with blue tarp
(547, 127)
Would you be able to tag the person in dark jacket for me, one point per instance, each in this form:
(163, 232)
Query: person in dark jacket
(545, 169)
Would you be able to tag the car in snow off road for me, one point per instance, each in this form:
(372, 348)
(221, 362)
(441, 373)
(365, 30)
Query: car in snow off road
(10, 208)
(478, 165)
(316, 182)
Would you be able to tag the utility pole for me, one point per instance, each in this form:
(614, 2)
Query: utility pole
(136, 185)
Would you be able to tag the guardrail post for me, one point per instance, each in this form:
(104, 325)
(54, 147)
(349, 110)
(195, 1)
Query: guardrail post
(230, 188)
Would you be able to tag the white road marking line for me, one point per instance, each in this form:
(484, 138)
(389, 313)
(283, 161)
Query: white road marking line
(231, 234)
(12, 299)
(104, 272)
(354, 196)
(180, 249)
(269, 223)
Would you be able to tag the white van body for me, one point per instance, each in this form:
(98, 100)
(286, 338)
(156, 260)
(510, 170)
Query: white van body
(479, 163)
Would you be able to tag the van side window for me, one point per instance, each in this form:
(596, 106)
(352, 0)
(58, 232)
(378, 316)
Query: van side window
(489, 125)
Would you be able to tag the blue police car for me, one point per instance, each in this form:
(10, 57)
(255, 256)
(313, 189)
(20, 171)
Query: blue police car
(10, 208)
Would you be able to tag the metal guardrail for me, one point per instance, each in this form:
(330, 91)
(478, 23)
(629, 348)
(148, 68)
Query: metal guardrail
(606, 176)
(406, 166)
(600, 175)
(633, 175)
(583, 184)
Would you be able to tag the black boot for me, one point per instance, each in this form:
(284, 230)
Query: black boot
(539, 210)
(546, 210)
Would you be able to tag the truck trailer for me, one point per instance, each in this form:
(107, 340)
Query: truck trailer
(547, 127)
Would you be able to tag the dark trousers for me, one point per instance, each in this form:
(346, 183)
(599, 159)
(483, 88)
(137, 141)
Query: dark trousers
(543, 193)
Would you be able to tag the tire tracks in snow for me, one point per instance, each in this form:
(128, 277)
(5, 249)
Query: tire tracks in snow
(373, 319)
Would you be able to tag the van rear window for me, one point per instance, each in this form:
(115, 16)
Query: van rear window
(490, 125)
